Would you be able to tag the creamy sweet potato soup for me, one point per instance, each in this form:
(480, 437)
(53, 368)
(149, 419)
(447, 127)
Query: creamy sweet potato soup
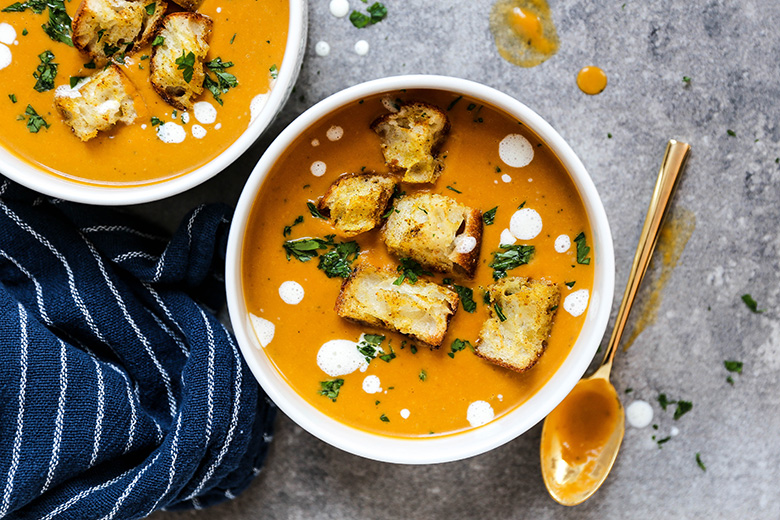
(250, 34)
(409, 389)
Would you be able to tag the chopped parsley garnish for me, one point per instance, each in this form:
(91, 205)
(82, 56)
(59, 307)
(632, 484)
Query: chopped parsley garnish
(74, 80)
(150, 8)
(12, 97)
(453, 189)
(388, 357)
(663, 441)
(314, 211)
(330, 389)
(423, 375)
(629, 390)
(664, 401)
(733, 366)
(732, 133)
(410, 270)
(582, 249)
(751, 304)
(233, 38)
(465, 294)
(499, 312)
(158, 40)
(34, 121)
(471, 107)
(686, 79)
(109, 50)
(384, 418)
(274, 71)
(338, 261)
(304, 249)
(512, 256)
(186, 63)
(24, 32)
(486, 298)
(369, 346)
(609, 135)
(569, 284)
(100, 34)
(700, 463)
(522, 205)
(683, 407)
(457, 346)
(376, 13)
(224, 82)
(144, 57)
(454, 102)
(489, 216)
(413, 349)
(730, 380)
(287, 231)
(58, 28)
(45, 72)
(90, 65)
(156, 121)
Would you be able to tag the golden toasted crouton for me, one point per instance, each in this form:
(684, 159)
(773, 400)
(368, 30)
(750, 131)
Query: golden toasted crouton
(105, 28)
(356, 202)
(527, 308)
(422, 310)
(185, 38)
(437, 231)
(411, 139)
(98, 103)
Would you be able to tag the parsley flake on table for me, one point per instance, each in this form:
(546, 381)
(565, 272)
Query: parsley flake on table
(733, 366)
(732, 133)
(410, 270)
(376, 13)
(700, 463)
(330, 389)
(751, 304)
(683, 407)
(512, 256)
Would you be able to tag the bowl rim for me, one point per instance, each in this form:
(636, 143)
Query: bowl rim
(26, 173)
(459, 445)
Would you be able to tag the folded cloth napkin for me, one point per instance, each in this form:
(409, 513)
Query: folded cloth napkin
(120, 393)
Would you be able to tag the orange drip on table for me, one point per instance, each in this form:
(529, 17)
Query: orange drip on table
(592, 80)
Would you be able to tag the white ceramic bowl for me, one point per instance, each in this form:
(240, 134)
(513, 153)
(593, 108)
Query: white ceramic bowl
(28, 175)
(474, 441)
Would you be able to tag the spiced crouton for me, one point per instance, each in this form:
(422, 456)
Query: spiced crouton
(437, 231)
(98, 103)
(178, 61)
(107, 28)
(421, 310)
(355, 203)
(521, 315)
(411, 139)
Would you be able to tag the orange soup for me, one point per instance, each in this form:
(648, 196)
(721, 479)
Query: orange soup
(409, 389)
(249, 33)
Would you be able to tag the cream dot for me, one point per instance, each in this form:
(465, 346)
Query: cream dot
(315, 142)
(185, 117)
(217, 126)
(219, 9)
(506, 178)
(639, 414)
(674, 432)
(291, 292)
(339, 8)
(322, 48)
(562, 243)
(525, 224)
(204, 112)
(515, 151)
(372, 385)
(405, 413)
(318, 168)
(264, 329)
(465, 244)
(479, 413)
(198, 132)
(339, 357)
(5, 56)
(7, 33)
(361, 47)
(171, 133)
(507, 238)
(576, 302)
(335, 133)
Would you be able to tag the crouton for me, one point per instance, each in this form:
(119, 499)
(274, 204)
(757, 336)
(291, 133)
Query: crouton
(185, 40)
(521, 315)
(411, 139)
(105, 28)
(437, 231)
(422, 310)
(356, 202)
(98, 103)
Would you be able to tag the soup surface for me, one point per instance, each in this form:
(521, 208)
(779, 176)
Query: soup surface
(411, 390)
(250, 34)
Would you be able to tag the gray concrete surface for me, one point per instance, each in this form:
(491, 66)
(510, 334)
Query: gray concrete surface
(730, 50)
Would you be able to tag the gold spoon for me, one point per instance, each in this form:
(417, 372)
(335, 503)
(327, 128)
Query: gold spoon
(581, 437)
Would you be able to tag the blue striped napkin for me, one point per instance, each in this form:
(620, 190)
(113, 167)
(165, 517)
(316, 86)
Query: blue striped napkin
(120, 392)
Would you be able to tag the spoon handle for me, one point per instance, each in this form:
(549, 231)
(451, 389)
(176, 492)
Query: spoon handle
(674, 160)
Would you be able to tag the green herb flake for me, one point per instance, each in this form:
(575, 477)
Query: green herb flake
(664, 401)
(732, 133)
(663, 441)
(158, 40)
(683, 407)
(453, 189)
(304, 249)
(751, 304)
(34, 121)
(423, 375)
(570, 284)
(74, 80)
(384, 418)
(410, 270)
(413, 349)
(454, 102)
(58, 27)
(274, 71)
(90, 65)
(186, 64)
(499, 312)
(686, 79)
(521, 206)
(287, 230)
(457, 346)
(224, 82)
(466, 296)
(489, 216)
(24, 32)
(700, 463)
(330, 389)
(388, 357)
(150, 8)
(629, 390)
(156, 121)
(376, 13)
(512, 256)
(582, 249)
(730, 380)
(733, 366)
(45, 72)
(12, 97)
(233, 38)
(338, 261)
(609, 135)
(314, 211)
(369, 346)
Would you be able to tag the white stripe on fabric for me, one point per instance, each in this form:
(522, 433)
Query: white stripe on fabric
(237, 382)
(98, 412)
(140, 335)
(229, 495)
(164, 307)
(38, 288)
(59, 419)
(133, 254)
(190, 223)
(71, 279)
(210, 373)
(3, 188)
(196, 504)
(176, 339)
(129, 489)
(126, 229)
(131, 401)
(17, 447)
(172, 470)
